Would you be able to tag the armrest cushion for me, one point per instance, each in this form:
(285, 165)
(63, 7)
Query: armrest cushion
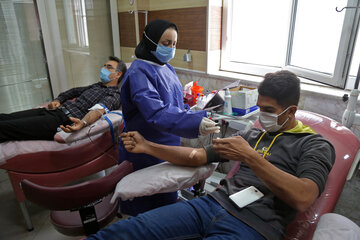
(160, 178)
(14, 149)
(335, 226)
(98, 127)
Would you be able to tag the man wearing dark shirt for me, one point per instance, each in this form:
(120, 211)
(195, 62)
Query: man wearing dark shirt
(288, 163)
(71, 110)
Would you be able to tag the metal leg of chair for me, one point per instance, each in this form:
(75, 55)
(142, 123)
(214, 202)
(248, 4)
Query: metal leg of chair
(26, 215)
(353, 166)
(110, 169)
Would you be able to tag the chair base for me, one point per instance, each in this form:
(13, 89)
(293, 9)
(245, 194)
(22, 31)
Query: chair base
(69, 222)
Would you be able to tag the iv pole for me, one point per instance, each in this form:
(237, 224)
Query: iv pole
(350, 117)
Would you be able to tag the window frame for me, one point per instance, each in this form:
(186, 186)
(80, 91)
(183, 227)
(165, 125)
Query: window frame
(337, 78)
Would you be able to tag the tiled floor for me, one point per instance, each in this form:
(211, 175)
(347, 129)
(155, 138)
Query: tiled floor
(12, 226)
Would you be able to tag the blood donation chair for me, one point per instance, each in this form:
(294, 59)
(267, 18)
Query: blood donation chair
(346, 146)
(167, 177)
(80, 209)
(51, 163)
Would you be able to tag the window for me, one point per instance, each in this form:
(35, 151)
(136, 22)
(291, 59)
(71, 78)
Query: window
(76, 24)
(309, 38)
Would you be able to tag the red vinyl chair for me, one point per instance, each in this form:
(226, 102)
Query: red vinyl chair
(57, 164)
(346, 146)
(80, 209)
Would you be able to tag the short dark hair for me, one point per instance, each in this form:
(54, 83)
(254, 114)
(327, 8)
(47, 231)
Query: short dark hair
(121, 67)
(283, 86)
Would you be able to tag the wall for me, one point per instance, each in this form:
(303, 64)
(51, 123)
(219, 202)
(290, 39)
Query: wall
(184, 13)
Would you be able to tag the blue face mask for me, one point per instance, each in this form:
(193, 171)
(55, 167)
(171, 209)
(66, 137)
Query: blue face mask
(104, 75)
(162, 53)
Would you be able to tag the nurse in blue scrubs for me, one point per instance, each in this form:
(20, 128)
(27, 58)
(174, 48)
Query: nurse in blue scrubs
(152, 104)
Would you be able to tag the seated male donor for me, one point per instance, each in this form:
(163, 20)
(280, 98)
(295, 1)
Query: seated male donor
(42, 124)
(288, 162)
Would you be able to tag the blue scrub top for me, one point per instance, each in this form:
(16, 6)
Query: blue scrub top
(152, 104)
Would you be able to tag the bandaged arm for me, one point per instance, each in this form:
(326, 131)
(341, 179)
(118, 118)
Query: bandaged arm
(179, 155)
(93, 115)
(212, 156)
(185, 156)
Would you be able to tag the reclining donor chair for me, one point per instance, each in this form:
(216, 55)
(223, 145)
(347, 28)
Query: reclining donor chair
(69, 158)
(346, 146)
(80, 209)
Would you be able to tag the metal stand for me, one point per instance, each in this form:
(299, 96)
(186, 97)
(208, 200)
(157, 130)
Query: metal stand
(29, 225)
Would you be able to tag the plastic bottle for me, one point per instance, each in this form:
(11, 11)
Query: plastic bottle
(196, 98)
(227, 103)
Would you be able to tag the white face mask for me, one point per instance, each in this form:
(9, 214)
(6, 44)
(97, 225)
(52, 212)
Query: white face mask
(269, 121)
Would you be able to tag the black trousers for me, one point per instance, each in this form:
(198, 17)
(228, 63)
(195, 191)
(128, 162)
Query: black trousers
(33, 124)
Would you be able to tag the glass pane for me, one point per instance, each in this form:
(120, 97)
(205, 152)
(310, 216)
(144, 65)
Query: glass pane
(86, 38)
(355, 61)
(260, 31)
(317, 34)
(24, 81)
(356, 57)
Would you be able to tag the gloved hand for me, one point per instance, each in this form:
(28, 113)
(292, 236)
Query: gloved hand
(207, 126)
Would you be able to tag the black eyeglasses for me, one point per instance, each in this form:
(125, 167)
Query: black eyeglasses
(108, 66)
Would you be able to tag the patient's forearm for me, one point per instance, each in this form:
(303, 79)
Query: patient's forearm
(178, 155)
(93, 116)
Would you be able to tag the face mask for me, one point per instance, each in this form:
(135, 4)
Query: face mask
(104, 75)
(269, 121)
(162, 53)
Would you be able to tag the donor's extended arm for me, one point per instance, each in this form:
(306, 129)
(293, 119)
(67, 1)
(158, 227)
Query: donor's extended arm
(91, 117)
(186, 156)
